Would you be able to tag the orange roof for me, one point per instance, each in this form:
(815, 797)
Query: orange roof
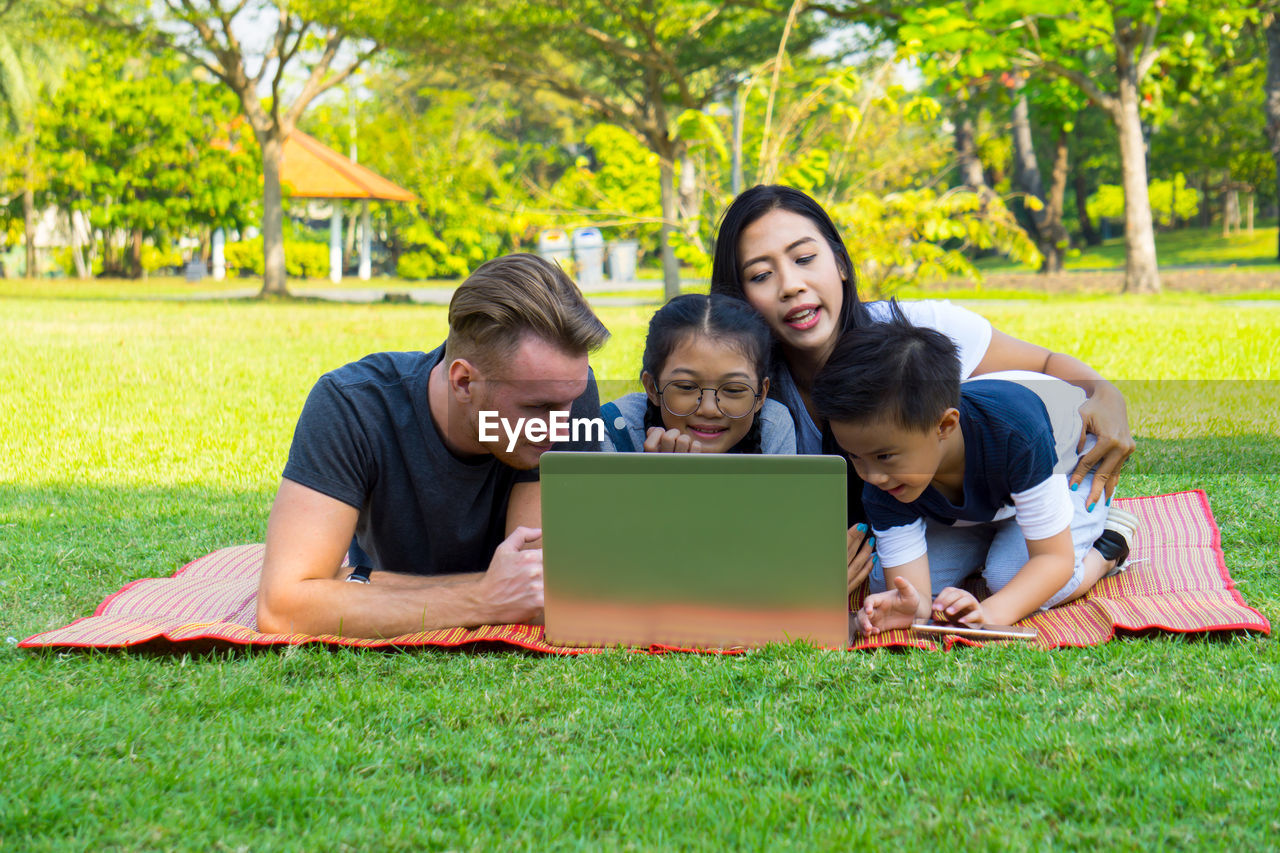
(311, 169)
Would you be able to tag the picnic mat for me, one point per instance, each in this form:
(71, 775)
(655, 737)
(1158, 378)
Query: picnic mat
(1178, 583)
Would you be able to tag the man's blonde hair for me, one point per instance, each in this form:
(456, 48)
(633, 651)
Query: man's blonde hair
(513, 295)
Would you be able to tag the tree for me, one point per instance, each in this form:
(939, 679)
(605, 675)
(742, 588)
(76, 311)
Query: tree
(468, 149)
(31, 63)
(141, 147)
(1272, 106)
(211, 33)
(637, 64)
(1105, 48)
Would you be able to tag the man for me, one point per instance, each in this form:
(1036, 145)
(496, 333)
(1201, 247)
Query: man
(397, 460)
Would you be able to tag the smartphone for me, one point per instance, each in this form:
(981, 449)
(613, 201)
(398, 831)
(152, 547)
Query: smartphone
(986, 632)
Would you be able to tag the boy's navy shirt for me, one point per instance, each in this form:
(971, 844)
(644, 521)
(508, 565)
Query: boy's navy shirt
(1008, 448)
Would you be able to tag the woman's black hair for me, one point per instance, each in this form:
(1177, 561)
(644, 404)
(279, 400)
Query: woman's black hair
(732, 321)
(726, 269)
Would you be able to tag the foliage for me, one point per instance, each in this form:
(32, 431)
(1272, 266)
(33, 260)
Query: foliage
(1169, 199)
(423, 265)
(302, 259)
(870, 150)
(614, 186)
(467, 149)
(641, 65)
(140, 145)
(1215, 129)
(918, 236)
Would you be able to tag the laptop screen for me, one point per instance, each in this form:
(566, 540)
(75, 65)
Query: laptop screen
(694, 550)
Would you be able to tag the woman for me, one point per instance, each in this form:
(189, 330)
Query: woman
(779, 251)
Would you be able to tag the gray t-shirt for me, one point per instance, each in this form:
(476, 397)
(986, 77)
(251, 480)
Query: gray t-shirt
(777, 432)
(366, 437)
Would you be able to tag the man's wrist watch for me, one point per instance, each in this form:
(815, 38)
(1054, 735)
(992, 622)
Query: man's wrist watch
(360, 574)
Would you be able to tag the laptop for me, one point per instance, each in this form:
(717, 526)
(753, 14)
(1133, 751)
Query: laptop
(694, 550)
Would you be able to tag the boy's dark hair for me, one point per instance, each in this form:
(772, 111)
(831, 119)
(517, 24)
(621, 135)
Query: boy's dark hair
(720, 317)
(893, 370)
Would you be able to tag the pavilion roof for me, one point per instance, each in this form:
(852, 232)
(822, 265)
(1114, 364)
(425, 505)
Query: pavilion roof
(311, 169)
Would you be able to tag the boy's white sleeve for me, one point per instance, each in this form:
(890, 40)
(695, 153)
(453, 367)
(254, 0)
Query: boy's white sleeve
(1045, 509)
(898, 546)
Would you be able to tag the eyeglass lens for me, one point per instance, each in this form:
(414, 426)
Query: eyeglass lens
(734, 399)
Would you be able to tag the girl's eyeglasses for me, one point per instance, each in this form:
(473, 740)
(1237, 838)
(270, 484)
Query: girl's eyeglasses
(682, 398)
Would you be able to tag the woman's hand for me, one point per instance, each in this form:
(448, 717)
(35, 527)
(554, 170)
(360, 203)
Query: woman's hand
(1105, 416)
(862, 556)
(659, 440)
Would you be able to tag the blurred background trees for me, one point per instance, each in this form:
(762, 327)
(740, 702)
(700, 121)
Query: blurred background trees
(935, 134)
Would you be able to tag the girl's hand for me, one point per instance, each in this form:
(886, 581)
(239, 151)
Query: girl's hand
(659, 440)
(887, 610)
(1106, 417)
(960, 607)
(861, 545)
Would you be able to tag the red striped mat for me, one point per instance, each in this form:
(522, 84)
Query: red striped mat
(1178, 583)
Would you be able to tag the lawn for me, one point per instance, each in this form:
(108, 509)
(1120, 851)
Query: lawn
(144, 432)
(1185, 247)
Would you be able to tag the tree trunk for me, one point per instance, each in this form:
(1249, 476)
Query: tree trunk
(1026, 168)
(1272, 89)
(135, 253)
(273, 278)
(1046, 223)
(1081, 186)
(690, 208)
(670, 264)
(77, 256)
(1141, 273)
(29, 221)
(967, 153)
(1053, 234)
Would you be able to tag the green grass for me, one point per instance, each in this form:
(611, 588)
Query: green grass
(1185, 247)
(141, 433)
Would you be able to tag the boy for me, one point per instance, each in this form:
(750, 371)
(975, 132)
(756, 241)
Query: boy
(964, 477)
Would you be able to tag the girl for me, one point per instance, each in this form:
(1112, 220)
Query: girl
(705, 372)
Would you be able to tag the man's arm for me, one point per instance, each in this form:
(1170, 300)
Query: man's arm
(302, 588)
(524, 506)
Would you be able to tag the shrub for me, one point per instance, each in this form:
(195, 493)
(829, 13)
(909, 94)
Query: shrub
(1108, 201)
(301, 259)
(426, 264)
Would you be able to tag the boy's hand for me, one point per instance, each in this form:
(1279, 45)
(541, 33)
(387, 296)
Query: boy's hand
(960, 607)
(885, 611)
(659, 440)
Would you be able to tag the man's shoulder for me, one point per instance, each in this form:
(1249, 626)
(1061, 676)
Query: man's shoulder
(384, 368)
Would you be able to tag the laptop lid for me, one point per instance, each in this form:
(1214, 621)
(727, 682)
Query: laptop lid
(694, 550)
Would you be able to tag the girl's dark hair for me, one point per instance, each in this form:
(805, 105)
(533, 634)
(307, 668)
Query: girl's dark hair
(731, 321)
(726, 269)
(906, 374)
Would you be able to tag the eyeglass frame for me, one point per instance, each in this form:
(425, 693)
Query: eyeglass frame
(662, 400)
